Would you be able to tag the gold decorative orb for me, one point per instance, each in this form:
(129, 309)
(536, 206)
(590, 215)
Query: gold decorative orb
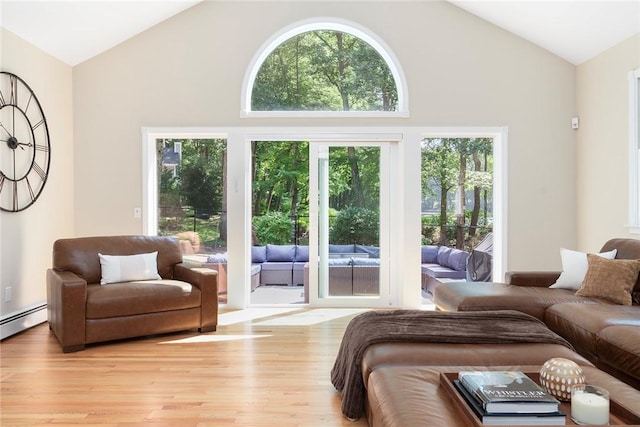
(558, 375)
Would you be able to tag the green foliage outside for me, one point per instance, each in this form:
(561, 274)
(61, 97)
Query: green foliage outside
(281, 184)
(324, 70)
(191, 198)
(191, 189)
(356, 225)
(273, 227)
(197, 181)
(280, 176)
(457, 185)
(433, 233)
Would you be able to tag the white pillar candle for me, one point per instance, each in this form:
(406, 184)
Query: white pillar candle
(590, 406)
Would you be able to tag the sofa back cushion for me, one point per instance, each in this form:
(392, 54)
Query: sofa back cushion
(342, 249)
(302, 253)
(457, 260)
(281, 253)
(219, 258)
(452, 258)
(258, 254)
(339, 262)
(429, 254)
(443, 256)
(371, 251)
(80, 255)
(365, 261)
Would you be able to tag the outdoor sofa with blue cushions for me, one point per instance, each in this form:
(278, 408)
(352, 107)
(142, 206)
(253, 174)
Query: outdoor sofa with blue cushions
(442, 263)
(285, 265)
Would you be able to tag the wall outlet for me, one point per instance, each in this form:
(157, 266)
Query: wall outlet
(7, 294)
(137, 212)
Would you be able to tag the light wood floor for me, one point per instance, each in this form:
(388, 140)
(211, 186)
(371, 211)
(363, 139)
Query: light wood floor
(269, 371)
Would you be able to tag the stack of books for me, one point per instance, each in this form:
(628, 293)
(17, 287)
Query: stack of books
(508, 398)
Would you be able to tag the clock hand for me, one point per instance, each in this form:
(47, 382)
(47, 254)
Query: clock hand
(5, 129)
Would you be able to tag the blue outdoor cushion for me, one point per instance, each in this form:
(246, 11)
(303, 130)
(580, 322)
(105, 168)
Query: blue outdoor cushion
(457, 260)
(443, 255)
(365, 261)
(429, 254)
(342, 249)
(438, 271)
(339, 262)
(258, 254)
(220, 258)
(372, 251)
(302, 253)
(281, 253)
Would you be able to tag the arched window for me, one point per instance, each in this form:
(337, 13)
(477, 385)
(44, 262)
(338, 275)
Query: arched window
(324, 68)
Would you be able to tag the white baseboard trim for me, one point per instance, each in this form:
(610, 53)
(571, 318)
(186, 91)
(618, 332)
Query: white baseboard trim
(22, 320)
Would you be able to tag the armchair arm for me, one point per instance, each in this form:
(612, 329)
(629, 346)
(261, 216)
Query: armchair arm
(542, 279)
(66, 308)
(206, 280)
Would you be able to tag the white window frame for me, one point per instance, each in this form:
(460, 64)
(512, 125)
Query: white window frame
(405, 267)
(334, 24)
(634, 152)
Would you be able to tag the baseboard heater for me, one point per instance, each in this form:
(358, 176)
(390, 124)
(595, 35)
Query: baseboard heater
(22, 320)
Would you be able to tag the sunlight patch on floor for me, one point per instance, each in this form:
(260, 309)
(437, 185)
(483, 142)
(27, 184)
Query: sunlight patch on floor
(311, 317)
(240, 316)
(213, 338)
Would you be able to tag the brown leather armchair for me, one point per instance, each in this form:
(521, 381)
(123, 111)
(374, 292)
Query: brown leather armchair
(82, 311)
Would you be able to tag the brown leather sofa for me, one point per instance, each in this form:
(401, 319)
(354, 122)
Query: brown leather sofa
(402, 379)
(82, 311)
(605, 333)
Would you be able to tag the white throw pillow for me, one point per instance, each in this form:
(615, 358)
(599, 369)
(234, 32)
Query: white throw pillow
(116, 268)
(574, 268)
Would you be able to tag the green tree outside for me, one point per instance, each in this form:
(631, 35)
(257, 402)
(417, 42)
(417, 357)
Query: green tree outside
(324, 70)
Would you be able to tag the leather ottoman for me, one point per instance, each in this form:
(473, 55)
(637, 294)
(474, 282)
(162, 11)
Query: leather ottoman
(401, 396)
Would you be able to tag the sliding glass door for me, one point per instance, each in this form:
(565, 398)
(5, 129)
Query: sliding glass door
(349, 233)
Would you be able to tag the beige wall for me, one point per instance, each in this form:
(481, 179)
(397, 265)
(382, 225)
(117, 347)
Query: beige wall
(603, 144)
(461, 71)
(26, 237)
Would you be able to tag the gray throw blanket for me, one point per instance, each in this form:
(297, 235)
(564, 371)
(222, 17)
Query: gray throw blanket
(481, 327)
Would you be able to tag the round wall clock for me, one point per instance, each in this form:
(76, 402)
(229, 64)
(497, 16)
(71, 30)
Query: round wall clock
(25, 151)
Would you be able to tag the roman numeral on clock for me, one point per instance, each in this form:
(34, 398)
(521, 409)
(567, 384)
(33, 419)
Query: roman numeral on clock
(39, 171)
(13, 82)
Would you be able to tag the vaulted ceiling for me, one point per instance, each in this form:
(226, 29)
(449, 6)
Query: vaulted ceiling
(74, 31)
